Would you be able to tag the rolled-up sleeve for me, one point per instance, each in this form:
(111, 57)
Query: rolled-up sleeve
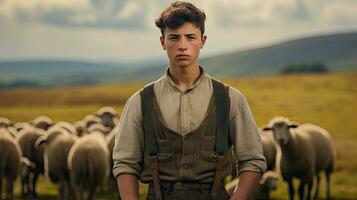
(245, 136)
(127, 152)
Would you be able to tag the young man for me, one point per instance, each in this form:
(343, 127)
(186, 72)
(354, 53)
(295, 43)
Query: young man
(178, 133)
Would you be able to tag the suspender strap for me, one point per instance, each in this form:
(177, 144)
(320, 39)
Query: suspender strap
(222, 110)
(222, 139)
(147, 98)
(155, 176)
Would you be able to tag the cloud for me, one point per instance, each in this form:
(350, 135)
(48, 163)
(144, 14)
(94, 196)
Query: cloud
(116, 14)
(139, 14)
(113, 29)
(340, 13)
(229, 13)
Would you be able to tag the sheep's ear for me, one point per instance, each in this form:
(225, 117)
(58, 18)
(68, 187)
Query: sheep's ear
(293, 125)
(40, 141)
(267, 128)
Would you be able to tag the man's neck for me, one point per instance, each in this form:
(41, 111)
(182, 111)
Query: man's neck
(184, 78)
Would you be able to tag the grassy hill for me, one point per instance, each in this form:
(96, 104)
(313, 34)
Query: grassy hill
(39, 73)
(328, 100)
(337, 51)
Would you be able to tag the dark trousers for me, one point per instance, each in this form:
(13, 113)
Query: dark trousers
(174, 191)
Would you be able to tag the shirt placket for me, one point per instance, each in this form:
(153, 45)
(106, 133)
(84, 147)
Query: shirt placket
(185, 113)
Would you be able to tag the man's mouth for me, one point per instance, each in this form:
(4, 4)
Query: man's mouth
(183, 56)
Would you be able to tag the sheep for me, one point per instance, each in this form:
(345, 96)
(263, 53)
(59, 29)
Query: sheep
(260, 192)
(5, 122)
(80, 127)
(269, 149)
(110, 140)
(26, 139)
(306, 150)
(98, 127)
(64, 125)
(88, 162)
(42, 122)
(9, 161)
(57, 144)
(92, 119)
(107, 115)
(22, 125)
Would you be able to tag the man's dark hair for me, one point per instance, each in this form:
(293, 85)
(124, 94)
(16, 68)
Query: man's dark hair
(178, 13)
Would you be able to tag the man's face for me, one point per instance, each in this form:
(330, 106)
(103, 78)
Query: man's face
(183, 45)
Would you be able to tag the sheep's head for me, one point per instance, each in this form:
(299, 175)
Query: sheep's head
(280, 126)
(4, 122)
(42, 122)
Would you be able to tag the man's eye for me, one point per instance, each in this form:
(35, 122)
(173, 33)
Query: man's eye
(191, 38)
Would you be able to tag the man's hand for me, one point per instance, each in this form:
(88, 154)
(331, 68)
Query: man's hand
(247, 181)
(128, 186)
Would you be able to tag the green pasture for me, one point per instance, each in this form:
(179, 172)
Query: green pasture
(328, 100)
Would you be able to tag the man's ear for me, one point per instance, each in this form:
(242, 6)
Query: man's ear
(162, 41)
(203, 40)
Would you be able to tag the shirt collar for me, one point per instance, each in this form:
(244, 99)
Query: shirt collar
(202, 76)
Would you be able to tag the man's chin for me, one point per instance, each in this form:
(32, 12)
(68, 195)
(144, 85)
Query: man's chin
(183, 64)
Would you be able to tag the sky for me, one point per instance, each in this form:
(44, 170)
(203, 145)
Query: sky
(124, 30)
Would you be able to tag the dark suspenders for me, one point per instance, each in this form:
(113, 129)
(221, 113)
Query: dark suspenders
(222, 110)
(222, 139)
(147, 98)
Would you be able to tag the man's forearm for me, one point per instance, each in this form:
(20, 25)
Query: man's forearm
(247, 181)
(128, 186)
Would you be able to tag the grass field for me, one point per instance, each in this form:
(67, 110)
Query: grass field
(327, 100)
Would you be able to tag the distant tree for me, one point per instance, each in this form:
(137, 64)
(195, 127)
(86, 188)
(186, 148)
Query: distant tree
(312, 67)
(24, 84)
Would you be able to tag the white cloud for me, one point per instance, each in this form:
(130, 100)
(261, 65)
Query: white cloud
(9, 8)
(100, 29)
(340, 12)
(130, 9)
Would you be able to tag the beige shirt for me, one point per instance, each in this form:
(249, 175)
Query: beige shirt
(183, 112)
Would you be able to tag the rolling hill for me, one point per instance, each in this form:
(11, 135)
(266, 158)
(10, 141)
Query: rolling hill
(337, 51)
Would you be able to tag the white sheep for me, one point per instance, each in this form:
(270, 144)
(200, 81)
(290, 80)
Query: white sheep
(5, 122)
(260, 192)
(27, 139)
(98, 127)
(42, 122)
(306, 150)
(9, 161)
(91, 119)
(88, 162)
(68, 127)
(270, 149)
(107, 115)
(80, 127)
(22, 125)
(110, 139)
(57, 144)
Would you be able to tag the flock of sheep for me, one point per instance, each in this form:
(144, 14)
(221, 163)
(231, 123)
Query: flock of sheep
(78, 157)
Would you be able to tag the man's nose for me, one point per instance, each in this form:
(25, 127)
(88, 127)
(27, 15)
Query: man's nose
(182, 45)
